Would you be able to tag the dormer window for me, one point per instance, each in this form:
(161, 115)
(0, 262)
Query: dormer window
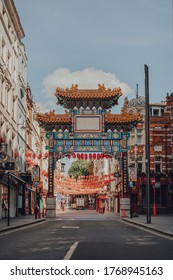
(155, 112)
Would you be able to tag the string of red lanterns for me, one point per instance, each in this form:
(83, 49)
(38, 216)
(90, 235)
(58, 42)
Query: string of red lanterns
(85, 184)
(90, 156)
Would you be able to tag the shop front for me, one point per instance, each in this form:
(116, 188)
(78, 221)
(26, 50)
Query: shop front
(160, 197)
(16, 198)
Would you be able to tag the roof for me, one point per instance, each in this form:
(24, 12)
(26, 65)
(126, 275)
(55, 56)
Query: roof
(66, 96)
(75, 93)
(137, 102)
(14, 16)
(52, 118)
(124, 118)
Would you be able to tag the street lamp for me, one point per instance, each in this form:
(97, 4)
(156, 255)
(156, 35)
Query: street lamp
(147, 143)
(36, 180)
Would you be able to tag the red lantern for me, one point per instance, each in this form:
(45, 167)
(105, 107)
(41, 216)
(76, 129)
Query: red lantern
(98, 156)
(39, 156)
(16, 154)
(94, 156)
(78, 156)
(86, 156)
(90, 156)
(2, 139)
(102, 156)
(82, 156)
(74, 155)
(46, 155)
(40, 185)
(68, 156)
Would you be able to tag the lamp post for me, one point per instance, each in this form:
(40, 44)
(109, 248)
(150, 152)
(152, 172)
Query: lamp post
(147, 143)
(36, 179)
(8, 213)
(36, 210)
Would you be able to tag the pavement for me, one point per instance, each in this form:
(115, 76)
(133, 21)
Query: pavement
(18, 222)
(162, 224)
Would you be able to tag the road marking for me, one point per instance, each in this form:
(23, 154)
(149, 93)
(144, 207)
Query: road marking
(70, 227)
(71, 251)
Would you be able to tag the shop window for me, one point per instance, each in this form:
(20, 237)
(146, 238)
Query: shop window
(163, 195)
(157, 196)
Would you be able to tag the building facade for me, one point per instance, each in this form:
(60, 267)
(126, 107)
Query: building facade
(11, 34)
(161, 122)
(19, 132)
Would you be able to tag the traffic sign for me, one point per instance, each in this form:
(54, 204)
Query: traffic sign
(153, 181)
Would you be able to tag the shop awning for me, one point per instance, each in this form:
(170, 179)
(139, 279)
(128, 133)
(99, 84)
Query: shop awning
(15, 177)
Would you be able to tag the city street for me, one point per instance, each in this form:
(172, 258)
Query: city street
(84, 235)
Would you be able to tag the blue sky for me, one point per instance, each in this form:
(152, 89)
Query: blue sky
(97, 41)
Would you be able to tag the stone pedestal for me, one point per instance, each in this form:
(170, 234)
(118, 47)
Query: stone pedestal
(125, 207)
(51, 207)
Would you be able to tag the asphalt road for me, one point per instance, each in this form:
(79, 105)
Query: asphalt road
(84, 236)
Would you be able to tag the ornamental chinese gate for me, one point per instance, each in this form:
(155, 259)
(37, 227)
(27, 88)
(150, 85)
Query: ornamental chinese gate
(87, 128)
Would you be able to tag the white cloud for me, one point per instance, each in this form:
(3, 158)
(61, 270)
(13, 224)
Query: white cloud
(47, 106)
(88, 78)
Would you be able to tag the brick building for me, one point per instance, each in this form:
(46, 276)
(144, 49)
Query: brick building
(161, 155)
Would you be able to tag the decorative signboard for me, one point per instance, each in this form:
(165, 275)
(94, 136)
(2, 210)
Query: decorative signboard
(124, 173)
(90, 123)
(36, 173)
(51, 165)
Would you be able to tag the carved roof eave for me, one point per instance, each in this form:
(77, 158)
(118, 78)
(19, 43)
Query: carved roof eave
(104, 103)
(51, 118)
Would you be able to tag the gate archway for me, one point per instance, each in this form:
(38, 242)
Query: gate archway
(87, 127)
